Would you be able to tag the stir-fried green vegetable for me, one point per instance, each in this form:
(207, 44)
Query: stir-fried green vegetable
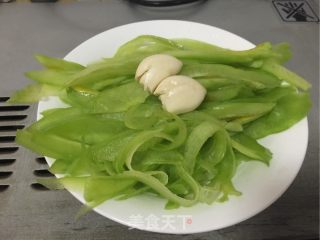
(116, 141)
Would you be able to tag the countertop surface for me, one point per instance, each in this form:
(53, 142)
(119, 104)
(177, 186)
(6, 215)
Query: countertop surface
(56, 28)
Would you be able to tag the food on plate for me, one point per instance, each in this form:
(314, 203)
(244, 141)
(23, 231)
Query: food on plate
(155, 68)
(195, 112)
(180, 94)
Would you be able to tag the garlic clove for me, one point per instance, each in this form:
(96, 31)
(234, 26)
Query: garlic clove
(180, 94)
(153, 69)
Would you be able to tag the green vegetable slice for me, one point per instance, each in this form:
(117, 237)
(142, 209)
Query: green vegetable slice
(289, 110)
(58, 64)
(251, 148)
(195, 141)
(286, 75)
(51, 77)
(118, 99)
(49, 145)
(253, 78)
(237, 109)
(126, 154)
(34, 92)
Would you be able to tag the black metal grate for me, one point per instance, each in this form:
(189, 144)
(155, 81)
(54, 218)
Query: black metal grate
(39, 187)
(12, 118)
(41, 160)
(8, 150)
(11, 128)
(3, 187)
(7, 162)
(5, 174)
(41, 173)
(13, 108)
(4, 99)
(7, 139)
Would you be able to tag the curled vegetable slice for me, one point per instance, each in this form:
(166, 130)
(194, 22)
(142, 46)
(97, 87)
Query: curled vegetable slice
(161, 189)
(226, 170)
(213, 153)
(126, 154)
(176, 132)
(195, 141)
(101, 188)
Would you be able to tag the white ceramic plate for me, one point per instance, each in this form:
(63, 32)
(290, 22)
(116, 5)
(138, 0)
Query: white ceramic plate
(260, 185)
